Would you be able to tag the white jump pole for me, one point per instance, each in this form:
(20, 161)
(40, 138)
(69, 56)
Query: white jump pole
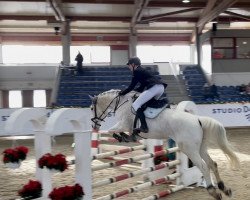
(76, 121)
(153, 145)
(30, 121)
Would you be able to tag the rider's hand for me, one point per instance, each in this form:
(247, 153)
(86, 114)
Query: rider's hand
(121, 93)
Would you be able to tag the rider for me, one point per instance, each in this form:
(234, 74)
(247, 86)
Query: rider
(150, 87)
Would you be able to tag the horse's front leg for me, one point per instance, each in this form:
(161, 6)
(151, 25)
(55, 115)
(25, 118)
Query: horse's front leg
(122, 125)
(117, 128)
(118, 132)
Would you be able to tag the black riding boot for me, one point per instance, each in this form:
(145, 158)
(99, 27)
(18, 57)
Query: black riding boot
(141, 116)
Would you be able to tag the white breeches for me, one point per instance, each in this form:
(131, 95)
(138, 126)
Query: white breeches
(154, 92)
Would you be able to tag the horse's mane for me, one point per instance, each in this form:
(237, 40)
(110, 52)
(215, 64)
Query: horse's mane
(114, 92)
(109, 92)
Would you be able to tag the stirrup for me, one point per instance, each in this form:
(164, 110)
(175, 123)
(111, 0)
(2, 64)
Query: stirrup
(139, 130)
(125, 137)
(133, 137)
(122, 137)
(117, 137)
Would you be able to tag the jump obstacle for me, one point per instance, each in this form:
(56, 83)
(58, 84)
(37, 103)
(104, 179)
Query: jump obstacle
(34, 121)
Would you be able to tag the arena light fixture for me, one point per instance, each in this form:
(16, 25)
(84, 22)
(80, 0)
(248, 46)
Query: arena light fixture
(185, 1)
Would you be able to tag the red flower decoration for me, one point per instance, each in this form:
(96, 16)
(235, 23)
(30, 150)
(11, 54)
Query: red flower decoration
(33, 189)
(67, 193)
(57, 162)
(15, 155)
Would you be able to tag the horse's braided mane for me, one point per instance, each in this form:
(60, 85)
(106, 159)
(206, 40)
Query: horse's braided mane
(115, 91)
(112, 91)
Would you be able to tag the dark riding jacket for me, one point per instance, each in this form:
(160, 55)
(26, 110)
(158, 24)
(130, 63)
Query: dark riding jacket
(145, 78)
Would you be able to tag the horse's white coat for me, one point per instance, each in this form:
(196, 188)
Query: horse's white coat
(190, 132)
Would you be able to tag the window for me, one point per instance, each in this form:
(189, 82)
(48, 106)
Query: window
(180, 53)
(145, 53)
(39, 98)
(91, 54)
(15, 99)
(150, 54)
(243, 47)
(31, 54)
(223, 42)
(223, 48)
(100, 54)
(53, 54)
(206, 58)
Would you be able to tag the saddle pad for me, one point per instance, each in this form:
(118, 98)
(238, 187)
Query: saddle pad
(153, 112)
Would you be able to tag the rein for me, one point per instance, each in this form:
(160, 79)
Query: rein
(95, 119)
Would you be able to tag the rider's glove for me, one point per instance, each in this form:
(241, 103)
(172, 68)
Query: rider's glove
(121, 93)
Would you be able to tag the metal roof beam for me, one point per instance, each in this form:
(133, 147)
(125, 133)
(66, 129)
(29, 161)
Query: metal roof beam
(207, 9)
(237, 15)
(56, 6)
(152, 3)
(138, 9)
(109, 18)
(224, 5)
(156, 17)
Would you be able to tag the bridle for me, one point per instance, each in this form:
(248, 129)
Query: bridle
(96, 119)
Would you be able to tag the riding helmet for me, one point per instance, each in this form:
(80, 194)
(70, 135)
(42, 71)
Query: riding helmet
(134, 60)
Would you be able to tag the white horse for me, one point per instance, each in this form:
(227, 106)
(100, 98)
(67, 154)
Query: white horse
(190, 132)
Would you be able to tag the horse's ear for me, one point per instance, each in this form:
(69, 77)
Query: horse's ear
(91, 97)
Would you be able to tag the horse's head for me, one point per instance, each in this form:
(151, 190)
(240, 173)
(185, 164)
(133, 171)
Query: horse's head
(96, 112)
(102, 105)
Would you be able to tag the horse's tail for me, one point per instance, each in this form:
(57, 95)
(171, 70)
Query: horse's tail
(214, 130)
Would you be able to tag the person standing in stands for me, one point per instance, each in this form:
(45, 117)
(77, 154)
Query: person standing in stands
(79, 60)
(214, 91)
(150, 87)
(248, 89)
(242, 89)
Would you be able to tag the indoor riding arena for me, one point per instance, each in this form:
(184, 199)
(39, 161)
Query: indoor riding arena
(125, 99)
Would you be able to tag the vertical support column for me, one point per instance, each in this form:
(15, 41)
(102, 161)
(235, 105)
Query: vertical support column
(5, 99)
(192, 53)
(27, 98)
(132, 45)
(198, 46)
(66, 42)
(1, 51)
(41, 148)
(48, 97)
(1, 99)
(153, 145)
(83, 172)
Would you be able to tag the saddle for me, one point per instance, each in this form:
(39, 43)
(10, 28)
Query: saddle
(154, 107)
(151, 110)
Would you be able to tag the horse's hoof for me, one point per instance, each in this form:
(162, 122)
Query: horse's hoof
(133, 138)
(219, 196)
(136, 131)
(228, 192)
(125, 137)
(117, 137)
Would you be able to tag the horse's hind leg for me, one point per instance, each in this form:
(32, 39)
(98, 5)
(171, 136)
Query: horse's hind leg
(213, 166)
(201, 164)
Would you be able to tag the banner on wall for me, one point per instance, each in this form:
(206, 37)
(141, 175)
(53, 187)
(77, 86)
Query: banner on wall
(230, 115)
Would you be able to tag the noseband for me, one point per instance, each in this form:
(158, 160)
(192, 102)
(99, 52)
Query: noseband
(96, 119)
